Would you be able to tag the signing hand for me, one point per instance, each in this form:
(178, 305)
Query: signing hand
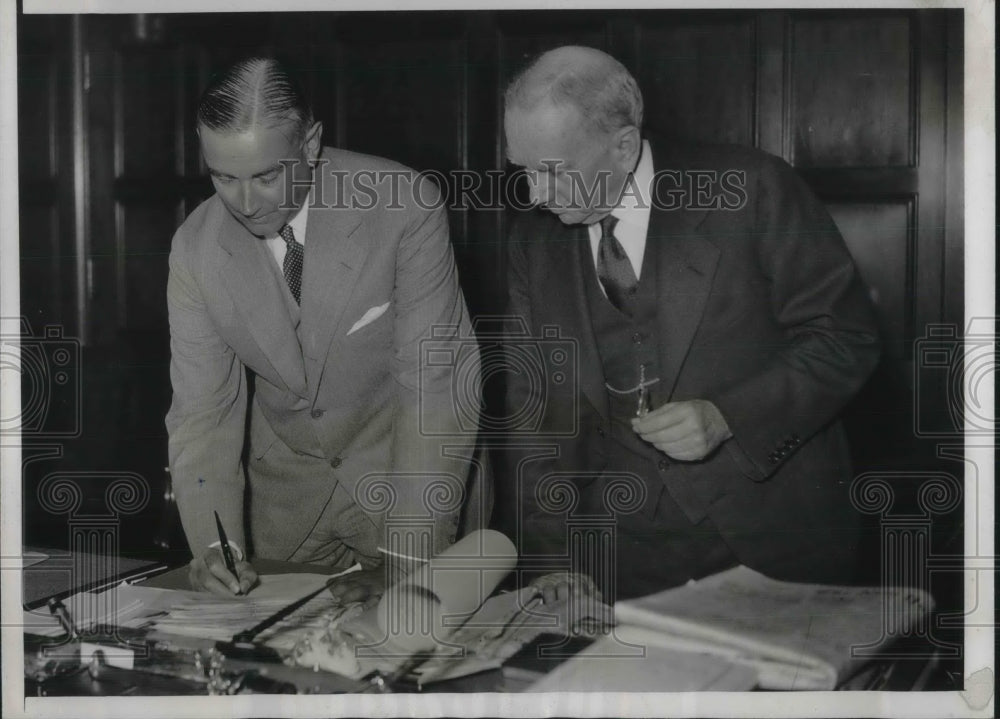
(208, 573)
(687, 431)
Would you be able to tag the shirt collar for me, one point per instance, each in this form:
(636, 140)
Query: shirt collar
(635, 196)
(299, 221)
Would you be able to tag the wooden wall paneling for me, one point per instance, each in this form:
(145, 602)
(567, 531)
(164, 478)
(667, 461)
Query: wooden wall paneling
(150, 158)
(102, 268)
(80, 80)
(954, 178)
(404, 102)
(880, 236)
(851, 82)
(931, 111)
(698, 74)
(482, 261)
(146, 230)
(146, 111)
(771, 118)
(47, 260)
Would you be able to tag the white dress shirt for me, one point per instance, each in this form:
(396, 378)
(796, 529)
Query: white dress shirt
(277, 243)
(632, 213)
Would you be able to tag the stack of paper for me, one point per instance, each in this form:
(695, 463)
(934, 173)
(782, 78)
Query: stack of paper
(796, 636)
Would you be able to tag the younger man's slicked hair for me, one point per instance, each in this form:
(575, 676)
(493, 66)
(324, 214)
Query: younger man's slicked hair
(255, 92)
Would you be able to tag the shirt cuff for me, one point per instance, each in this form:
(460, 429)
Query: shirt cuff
(237, 552)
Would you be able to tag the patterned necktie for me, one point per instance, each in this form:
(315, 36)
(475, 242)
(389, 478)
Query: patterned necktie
(614, 268)
(292, 267)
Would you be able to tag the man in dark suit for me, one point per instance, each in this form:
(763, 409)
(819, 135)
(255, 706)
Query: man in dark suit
(297, 270)
(720, 327)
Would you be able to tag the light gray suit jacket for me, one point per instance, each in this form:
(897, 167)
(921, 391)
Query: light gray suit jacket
(343, 406)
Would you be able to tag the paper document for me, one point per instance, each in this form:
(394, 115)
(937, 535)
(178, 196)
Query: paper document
(209, 616)
(186, 613)
(607, 666)
(796, 635)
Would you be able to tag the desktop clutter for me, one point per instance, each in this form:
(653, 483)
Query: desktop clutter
(733, 631)
(290, 635)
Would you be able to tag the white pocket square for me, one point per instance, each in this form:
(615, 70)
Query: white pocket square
(372, 314)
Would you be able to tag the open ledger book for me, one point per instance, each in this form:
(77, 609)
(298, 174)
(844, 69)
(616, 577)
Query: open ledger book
(796, 636)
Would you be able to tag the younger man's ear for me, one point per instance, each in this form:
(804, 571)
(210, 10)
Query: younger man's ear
(314, 141)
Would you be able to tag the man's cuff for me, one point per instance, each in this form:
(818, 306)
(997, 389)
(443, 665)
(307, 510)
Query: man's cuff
(237, 552)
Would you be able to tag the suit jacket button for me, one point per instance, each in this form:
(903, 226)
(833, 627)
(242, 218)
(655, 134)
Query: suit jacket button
(600, 431)
(335, 462)
(637, 338)
(316, 413)
(663, 465)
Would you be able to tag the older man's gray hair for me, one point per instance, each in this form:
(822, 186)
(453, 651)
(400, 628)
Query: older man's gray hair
(593, 82)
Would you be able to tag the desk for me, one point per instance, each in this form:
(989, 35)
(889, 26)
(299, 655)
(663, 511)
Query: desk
(178, 578)
(64, 573)
(901, 675)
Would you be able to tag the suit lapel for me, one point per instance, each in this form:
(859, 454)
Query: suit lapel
(258, 298)
(685, 268)
(334, 255)
(567, 250)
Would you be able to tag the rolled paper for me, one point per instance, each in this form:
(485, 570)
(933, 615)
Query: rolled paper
(424, 608)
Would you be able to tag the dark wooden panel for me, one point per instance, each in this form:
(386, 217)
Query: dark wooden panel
(953, 179)
(44, 272)
(523, 36)
(37, 109)
(850, 183)
(851, 85)
(404, 102)
(147, 122)
(880, 237)
(146, 230)
(698, 78)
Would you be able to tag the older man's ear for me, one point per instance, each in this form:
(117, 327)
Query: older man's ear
(627, 145)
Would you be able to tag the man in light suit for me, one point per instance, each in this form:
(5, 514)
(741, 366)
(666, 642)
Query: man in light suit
(721, 326)
(298, 270)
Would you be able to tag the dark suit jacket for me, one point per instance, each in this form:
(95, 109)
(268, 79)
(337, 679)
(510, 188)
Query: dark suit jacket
(762, 312)
(347, 404)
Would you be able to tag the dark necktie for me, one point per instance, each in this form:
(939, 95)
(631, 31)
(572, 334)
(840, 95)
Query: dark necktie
(614, 268)
(292, 266)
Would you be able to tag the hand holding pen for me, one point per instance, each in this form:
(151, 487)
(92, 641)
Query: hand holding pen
(218, 571)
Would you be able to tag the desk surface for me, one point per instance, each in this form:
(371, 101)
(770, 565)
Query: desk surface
(178, 578)
(63, 573)
(907, 674)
